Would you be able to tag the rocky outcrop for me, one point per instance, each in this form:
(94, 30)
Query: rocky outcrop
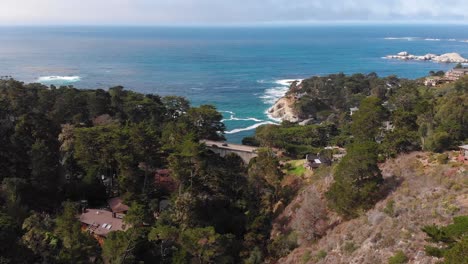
(283, 110)
(444, 58)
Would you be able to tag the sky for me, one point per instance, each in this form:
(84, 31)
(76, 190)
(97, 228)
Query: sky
(226, 12)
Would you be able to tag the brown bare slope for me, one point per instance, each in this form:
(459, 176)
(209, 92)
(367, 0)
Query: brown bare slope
(420, 192)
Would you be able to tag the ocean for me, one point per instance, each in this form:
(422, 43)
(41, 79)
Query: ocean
(240, 70)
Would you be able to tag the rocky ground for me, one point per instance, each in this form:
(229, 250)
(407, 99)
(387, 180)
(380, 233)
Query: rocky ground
(283, 109)
(419, 191)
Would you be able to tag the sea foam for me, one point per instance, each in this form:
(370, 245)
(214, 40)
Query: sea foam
(234, 118)
(401, 38)
(58, 79)
(252, 127)
(271, 95)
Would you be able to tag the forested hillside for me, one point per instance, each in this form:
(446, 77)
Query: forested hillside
(60, 145)
(63, 150)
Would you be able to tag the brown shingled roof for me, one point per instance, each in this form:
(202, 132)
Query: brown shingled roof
(101, 222)
(117, 206)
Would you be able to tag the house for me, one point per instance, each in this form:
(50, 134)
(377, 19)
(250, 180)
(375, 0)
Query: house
(463, 157)
(456, 73)
(118, 208)
(315, 161)
(352, 110)
(100, 222)
(337, 152)
(388, 126)
(435, 80)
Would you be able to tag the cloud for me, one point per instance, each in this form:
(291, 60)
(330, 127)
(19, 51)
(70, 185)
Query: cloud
(227, 11)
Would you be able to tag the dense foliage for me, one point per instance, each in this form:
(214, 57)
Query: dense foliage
(453, 239)
(400, 114)
(389, 116)
(61, 146)
(357, 179)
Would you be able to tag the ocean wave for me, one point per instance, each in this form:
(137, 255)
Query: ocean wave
(288, 82)
(59, 79)
(234, 118)
(229, 112)
(401, 38)
(419, 38)
(271, 95)
(252, 127)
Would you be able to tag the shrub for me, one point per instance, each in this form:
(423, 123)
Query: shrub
(398, 258)
(306, 257)
(442, 158)
(282, 245)
(453, 238)
(439, 142)
(390, 208)
(321, 255)
(349, 247)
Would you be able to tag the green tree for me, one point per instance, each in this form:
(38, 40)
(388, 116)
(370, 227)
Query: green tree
(452, 117)
(137, 215)
(76, 246)
(39, 237)
(357, 179)
(176, 106)
(11, 250)
(118, 245)
(367, 121)
(453, 237)
(204, 244)
(266, 166)
(207, 122)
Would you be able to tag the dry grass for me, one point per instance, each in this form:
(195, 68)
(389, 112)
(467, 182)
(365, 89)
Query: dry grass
(426, 192)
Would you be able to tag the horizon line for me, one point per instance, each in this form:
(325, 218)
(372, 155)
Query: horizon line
(253, 24)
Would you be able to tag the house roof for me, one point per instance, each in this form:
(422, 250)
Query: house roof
(311, 157)
(101, 222)
(461, 70)
(117, 206)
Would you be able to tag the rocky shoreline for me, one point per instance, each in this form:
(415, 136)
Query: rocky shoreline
(283, 110)
(444, 58)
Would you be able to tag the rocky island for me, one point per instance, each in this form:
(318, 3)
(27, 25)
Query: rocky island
(444, 58)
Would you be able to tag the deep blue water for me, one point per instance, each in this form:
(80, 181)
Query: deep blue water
(236, 69)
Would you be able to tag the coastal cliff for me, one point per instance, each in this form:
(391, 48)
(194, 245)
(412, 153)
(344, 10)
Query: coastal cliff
(283, 110)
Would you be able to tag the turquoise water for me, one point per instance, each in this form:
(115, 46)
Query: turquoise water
(240, 70)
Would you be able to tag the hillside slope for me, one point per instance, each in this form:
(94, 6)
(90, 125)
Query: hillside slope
(419, 192)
